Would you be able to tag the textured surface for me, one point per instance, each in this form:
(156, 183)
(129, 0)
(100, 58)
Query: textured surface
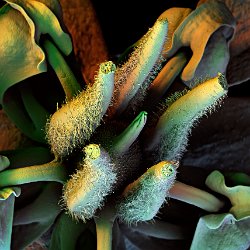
(10, 135)
(222, 141)
(239, 67)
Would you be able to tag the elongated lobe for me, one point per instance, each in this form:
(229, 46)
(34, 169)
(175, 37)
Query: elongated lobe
(86, 190)
(195, 196)
(52, 171)
(122, 142)
(168, 140)
(73, 124)
(137, 72)
(142, 199)
(46, 22)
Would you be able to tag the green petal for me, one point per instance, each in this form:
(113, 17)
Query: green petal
(74, 123)
(238, 195)
(169, 138)
(45, 22)
(123, 141)
(5, 193)
(34, 219)
(196, 30)
(7, 199)
(86, 190)
(20, 56)
(132, 78)
(66, 233)
(221, 231)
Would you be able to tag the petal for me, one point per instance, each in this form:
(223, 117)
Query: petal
(7, 199)
(21, 57)
(66, 233)
(45, 21)
(215, 59)
(221, 231)
(34, 219)
(5, 193)
(168, 139)
(196, 30)
(238, 195)
(73, 124)
(122, 142)
(87, 189)
(133, 77)
(175, 16)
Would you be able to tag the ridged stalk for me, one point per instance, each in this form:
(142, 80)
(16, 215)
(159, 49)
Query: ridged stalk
(52, 171)
(195, 196)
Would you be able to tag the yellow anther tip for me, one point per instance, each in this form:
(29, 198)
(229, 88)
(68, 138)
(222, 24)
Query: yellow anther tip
(92, 151)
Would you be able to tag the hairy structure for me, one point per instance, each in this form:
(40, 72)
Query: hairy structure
(86, 190)
(133, 77)
(122, 158)
(169, 138)
(142, 199)
(73, 124)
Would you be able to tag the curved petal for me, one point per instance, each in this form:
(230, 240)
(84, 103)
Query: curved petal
(34, 219)
(196, 30)
(5, 193)
(133, 77)
(20, 57)
(238, 195)
(86, 190)
(74, 123)
(174, 16)
(215, 59)
(6, 211)
(46, 22)
(168, 139)
(135, 204)
(66, 233)
(221, 231)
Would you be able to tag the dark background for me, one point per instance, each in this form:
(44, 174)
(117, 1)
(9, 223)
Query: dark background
(124, 22)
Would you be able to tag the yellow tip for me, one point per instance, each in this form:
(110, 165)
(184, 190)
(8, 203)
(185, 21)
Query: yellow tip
(92, 151)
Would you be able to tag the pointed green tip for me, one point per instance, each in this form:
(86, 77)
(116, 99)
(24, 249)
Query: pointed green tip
(141, 118)
(143, 113)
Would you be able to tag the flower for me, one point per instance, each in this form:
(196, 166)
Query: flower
(115, 151)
